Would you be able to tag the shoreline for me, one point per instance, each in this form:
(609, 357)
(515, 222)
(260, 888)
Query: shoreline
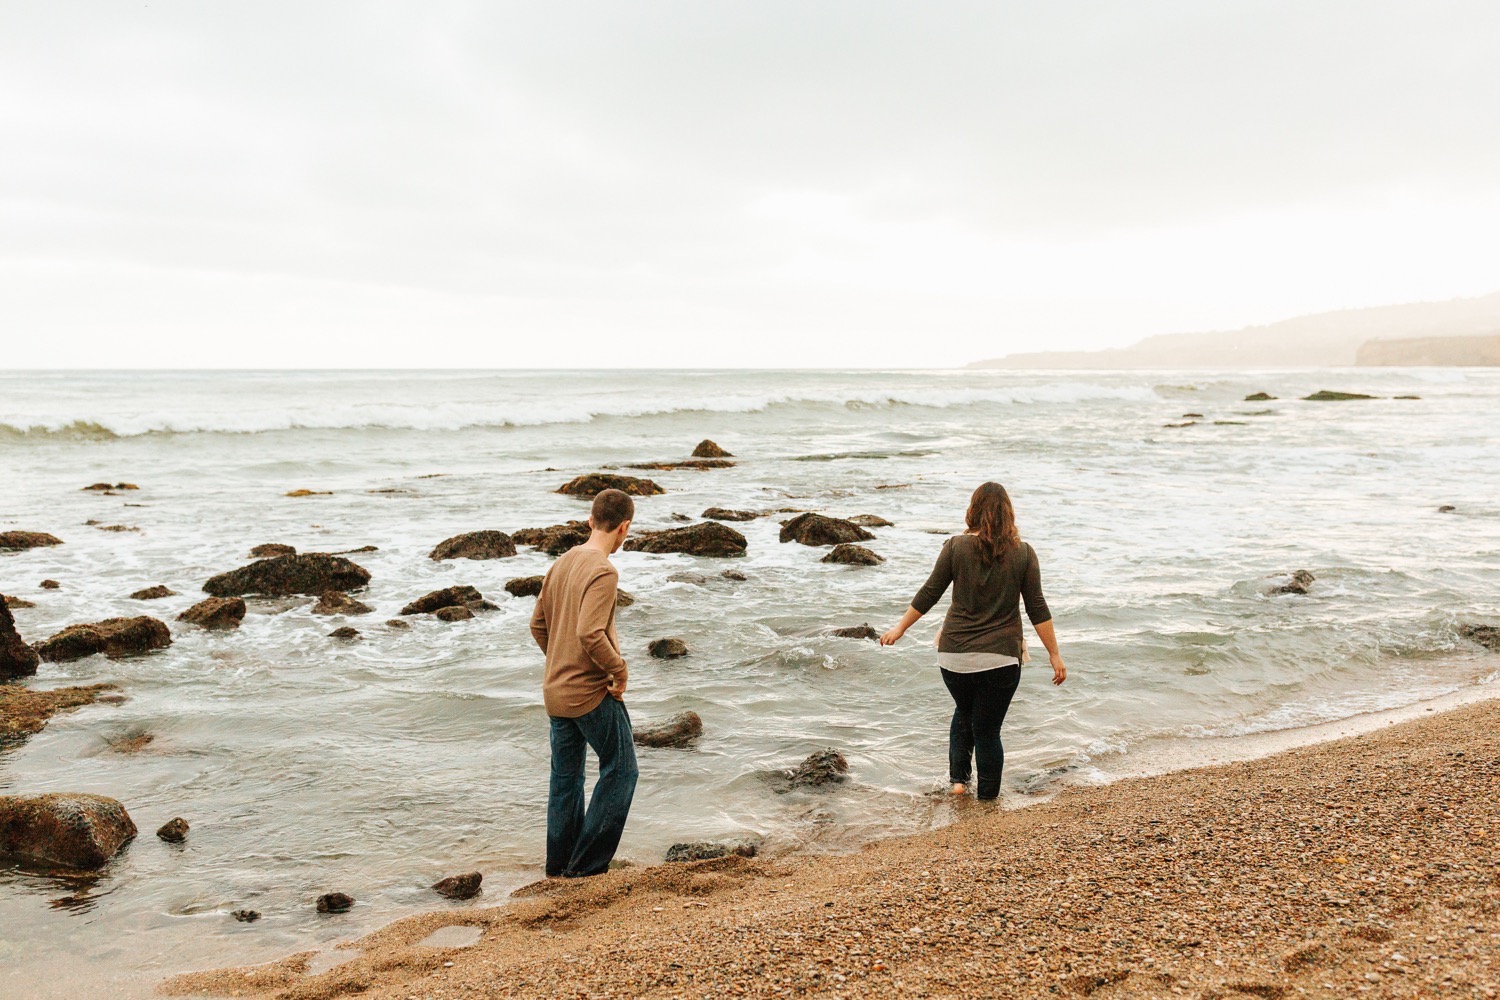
(1352, 850)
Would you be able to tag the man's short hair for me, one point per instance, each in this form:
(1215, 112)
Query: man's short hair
(612, 508)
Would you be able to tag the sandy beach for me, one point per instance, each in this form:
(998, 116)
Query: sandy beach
(1365, 866)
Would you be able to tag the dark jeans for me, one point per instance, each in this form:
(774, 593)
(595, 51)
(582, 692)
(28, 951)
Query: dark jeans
(578, 842)
(980, 702)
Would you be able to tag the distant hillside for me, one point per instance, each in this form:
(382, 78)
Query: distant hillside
(1431, 351)
(1330, 339)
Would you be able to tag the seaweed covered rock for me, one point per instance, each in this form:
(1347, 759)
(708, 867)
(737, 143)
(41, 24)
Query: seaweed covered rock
(465, 886)
(1487, 636)
(174, 830)
(592, 485)
(816, 529)
(271, 550)
(114, 637)
(216, 612)
(850, 554)
(667, 649)
(707, 850)
(335, 902)
(16, 658)
(12, 601)
(1331, 396)
(707, 449)
(347, 633)
(826, 767)
(725, 514)
(1259, 397)
(681, 732)
(524, 586)
(870, 521)
(445, 598)
(17, 540)
(710, 538)
(855, 632)
(453, 613)
(153, 594)
(556, 539)
(336, 602)
(699, 464)
(74, 830)
(475, 545)
(1299, 583)
(310, 573)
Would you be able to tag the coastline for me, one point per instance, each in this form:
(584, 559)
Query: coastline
(1361, 865)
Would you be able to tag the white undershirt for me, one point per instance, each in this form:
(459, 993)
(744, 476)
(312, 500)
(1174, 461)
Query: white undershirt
(973, 663)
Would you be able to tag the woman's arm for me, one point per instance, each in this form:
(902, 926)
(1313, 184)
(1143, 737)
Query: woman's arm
(936, 585)
(907, 621)
(1045, 632)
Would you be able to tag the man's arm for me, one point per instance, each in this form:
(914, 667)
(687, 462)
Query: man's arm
(539, 620)
(593, 629)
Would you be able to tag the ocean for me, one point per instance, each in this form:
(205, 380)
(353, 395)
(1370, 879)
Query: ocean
(307, 765)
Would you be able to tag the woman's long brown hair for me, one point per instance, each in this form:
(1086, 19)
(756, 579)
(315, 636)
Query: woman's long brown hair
(993, 519)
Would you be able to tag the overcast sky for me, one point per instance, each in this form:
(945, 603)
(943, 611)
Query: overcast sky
(486, 184)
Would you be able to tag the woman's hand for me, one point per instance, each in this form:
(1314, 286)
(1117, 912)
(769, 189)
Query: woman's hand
(1059, 669)
(891, 637)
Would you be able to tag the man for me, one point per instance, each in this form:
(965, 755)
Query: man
(584, 691)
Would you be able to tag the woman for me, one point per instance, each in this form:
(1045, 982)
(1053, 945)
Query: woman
(981, 646)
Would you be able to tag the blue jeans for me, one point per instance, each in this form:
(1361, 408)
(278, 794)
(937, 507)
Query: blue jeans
(579, 842)
(980, 701)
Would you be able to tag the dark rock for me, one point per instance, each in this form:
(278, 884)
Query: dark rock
(475, 545)
(1447, 508)
(696, 579)
(114, 637)
(826, 767)
(734, 574)
(554, 540)
(25, 711)
(1406, 397)
(1487, 636)
(700, 464)
(856, 632)
(270, 550)
(710, 538)
(310, 573)
(309, 493)
(680, 733)
(1197, 416)
(153, 593)
(524, 586)
(11, 601)
(246, 916)
(667, 649)
(815, 529)
(465, 886)
(1298, 584)
(16, 658)
(50, 585)
(724, 514)
(704, 850)
(681, 518)
(1330, 396)
(1186, 423)
(870, 521)
(174, 831)
(27, 539)
(335, 902)
(624, 598)
(398, 623)
(593, 484)
(1259, 397)
(1229, 423)
(453, 613)
(346, 633)
(707, 449)
(350, 552)
(445, 598)
(336, 602)
(852, 555)
(98, 487)
(216, 612)
(69, 829)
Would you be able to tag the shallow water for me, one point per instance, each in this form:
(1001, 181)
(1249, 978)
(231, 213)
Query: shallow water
(374, 768)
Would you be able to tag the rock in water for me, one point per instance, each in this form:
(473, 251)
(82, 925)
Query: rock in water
(1298, 584)
(679, 733)
(51, 585)
(397, 623)
(246, 916)
(1447, 508)
(667, 649)
(336, 602)
(524, 586)
(69, 829)
(310, 573)
(856, 632)
(216, 612)
(624, 598)
(704, 850)
(114, 637)
(1330, 396)
(153, 594)
(815, 529)
(12, 601)
(445, 598)
(870, 521)
(725, 514)
(475, 545)
(734, 574)
(346, 633)
(826, 767)
(1259, 397)
(16, 658)
(1487, 636)
(453, 613)
(554, 540)
(27, 539)
(335, 902)
(592, 485)
(465, 886)
(850, 554)
(707, 449)
(709, 538)
(174, 831)
(271, 550)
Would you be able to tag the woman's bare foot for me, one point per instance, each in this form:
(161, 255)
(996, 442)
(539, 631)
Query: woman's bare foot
(959, 788)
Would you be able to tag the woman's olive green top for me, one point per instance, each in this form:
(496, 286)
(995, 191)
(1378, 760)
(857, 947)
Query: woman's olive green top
(985, 616)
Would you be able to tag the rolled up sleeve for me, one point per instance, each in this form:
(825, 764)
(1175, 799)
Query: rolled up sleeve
(937, 583)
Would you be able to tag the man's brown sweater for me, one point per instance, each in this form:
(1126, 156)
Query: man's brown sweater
(574, 623)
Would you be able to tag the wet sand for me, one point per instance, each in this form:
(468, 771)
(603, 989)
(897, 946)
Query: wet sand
(1362, 867)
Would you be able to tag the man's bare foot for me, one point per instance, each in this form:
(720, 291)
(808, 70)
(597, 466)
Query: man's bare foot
(959, 788)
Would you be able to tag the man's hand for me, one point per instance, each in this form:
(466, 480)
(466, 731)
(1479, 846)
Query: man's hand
(616, 687)
(891, 637)
(1059, 670)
